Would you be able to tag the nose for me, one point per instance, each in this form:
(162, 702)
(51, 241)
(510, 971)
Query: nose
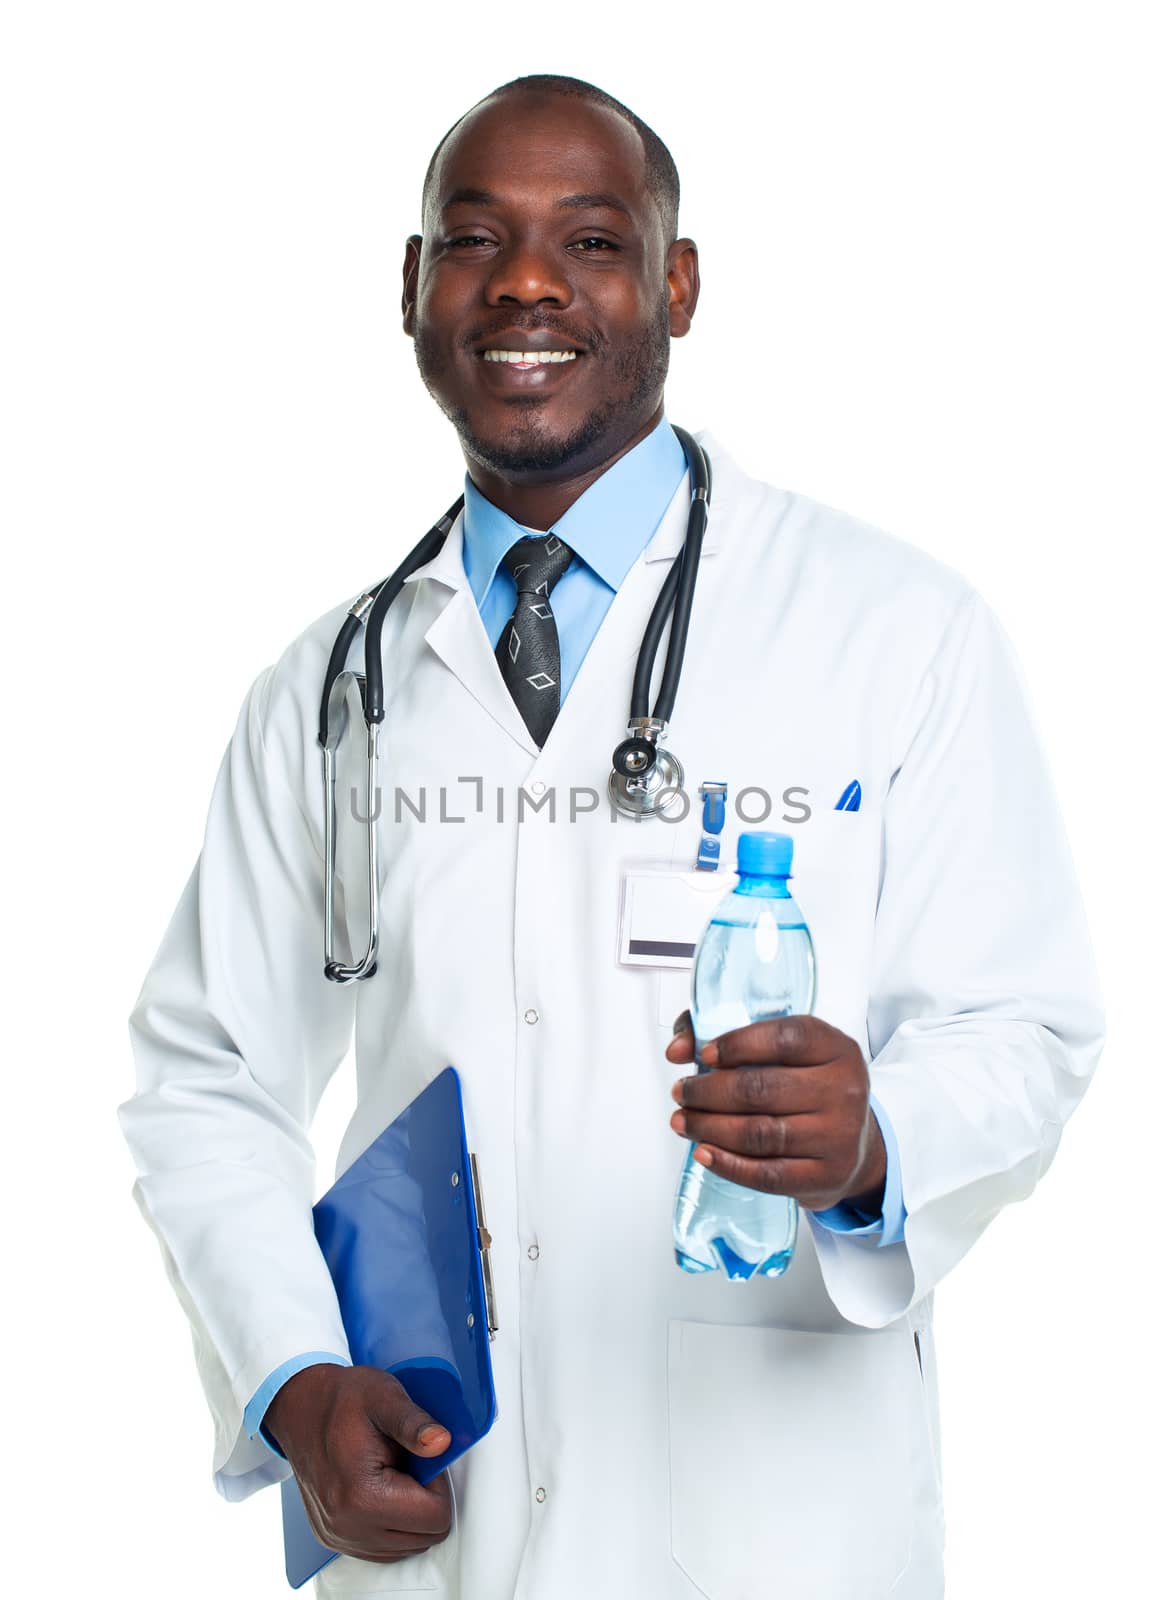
(528, 275)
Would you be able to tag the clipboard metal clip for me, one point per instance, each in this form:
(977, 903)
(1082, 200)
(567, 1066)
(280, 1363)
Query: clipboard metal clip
(484, 1240)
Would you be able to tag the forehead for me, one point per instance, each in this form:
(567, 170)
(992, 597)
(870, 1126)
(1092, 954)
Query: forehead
(527, 149)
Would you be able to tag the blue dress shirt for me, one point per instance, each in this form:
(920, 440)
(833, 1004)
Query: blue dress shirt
(607, 528)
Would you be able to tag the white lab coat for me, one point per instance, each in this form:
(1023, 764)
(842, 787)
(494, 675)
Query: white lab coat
(659, 1434)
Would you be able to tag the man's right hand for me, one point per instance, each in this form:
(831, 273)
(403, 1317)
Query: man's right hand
(342, 1429)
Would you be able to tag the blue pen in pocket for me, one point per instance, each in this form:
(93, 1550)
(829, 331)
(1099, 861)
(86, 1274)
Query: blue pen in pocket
(851, 798)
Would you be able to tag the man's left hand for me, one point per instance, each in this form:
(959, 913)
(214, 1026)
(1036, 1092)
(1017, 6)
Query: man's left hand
(794, 1119)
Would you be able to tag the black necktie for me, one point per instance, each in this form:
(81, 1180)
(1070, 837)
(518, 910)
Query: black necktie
(527, 651)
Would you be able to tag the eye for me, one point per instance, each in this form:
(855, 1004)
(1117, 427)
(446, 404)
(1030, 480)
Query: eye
(598, 244)
(467, 238)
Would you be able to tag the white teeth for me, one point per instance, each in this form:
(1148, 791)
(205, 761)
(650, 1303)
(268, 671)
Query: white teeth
(530, 357)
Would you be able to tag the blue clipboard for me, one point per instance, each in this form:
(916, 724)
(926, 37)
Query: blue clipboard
(403, 1233)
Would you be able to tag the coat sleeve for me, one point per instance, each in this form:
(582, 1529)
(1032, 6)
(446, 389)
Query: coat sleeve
(235, 1034)
(984, 1019)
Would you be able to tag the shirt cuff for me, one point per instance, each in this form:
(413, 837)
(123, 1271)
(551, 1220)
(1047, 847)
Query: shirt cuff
(890, 1225)
(263, 1398)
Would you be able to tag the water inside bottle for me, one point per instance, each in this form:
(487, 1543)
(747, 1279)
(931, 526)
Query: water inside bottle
(719, 1225)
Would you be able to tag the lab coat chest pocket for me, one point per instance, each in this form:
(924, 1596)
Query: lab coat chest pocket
(795, 1459)
(835, 884)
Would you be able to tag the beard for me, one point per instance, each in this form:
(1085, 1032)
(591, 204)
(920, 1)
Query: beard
(635, 378)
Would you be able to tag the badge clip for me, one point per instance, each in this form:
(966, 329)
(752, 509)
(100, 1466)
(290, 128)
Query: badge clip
(713, 797)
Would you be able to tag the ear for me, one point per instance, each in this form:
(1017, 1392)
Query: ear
(684, 285)
(409, 281)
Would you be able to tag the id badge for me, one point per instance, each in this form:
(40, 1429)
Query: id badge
(663, 913)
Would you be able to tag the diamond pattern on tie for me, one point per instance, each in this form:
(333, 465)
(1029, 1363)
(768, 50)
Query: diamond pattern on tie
(528, 652)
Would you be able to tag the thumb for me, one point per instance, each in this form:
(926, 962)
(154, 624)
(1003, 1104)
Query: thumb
(682, 1046)
(432, 1436)
(402, 1419)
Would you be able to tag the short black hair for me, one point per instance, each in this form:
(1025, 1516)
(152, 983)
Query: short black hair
(660, 171)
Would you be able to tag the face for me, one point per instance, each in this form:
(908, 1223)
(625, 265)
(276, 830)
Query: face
(543, 242)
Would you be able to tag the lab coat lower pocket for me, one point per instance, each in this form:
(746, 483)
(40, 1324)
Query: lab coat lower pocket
(796, 1459)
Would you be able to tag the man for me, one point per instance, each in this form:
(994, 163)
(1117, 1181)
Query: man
(659, 1434)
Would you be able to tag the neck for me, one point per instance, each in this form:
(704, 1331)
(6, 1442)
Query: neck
(539, 504)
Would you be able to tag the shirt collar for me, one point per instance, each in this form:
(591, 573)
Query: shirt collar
(607, 527)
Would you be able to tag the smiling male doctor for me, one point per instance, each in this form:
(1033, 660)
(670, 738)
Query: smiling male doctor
(659, 1435)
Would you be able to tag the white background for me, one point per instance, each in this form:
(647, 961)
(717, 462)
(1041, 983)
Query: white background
(925, 300)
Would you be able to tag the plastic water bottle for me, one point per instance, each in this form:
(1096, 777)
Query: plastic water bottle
(755, 960)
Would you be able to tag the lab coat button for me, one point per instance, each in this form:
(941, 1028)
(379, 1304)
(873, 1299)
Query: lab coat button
(533, 1252)
(530, 1016)
(540, 1494)
(537, 788)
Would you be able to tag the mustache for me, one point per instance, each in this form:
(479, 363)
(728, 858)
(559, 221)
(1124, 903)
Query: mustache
(587, 338)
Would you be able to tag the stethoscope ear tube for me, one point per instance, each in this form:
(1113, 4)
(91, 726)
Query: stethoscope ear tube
(417, 557)
(338, 722)
(643, 672)
(368, 610)
(337, 659)
(676, 594)
(645, 777)
(700, 488)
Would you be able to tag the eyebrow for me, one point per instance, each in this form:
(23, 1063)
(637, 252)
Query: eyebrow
(569, 202)
(594, 202)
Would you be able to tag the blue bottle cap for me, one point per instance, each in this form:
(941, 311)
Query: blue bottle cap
(764, 855)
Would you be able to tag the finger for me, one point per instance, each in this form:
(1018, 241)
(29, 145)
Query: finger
(384, 1511)
(400, 1523)
(770, 1091)
(374, 1545)
(362, 1535)
(800, 1041)
(762, 1138)
(396, 1552)
(796, 1176)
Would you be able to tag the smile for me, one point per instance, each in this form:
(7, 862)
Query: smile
(530, 358)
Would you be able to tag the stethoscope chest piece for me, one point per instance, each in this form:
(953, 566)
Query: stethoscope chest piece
(646, 780)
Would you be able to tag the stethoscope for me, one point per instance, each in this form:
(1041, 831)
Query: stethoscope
(646, 780)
